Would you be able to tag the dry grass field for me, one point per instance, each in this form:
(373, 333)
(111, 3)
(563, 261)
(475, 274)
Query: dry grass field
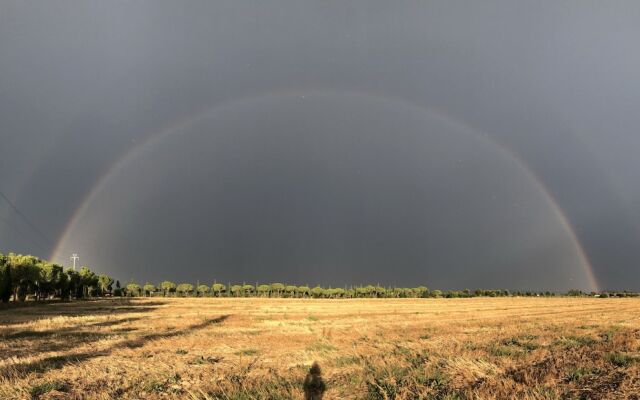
(205, 348)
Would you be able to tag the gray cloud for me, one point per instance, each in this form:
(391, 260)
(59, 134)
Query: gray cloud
(333, 189)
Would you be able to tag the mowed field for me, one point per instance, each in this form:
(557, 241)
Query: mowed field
(208, 348)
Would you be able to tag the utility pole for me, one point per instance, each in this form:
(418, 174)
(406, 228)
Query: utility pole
(75, 258)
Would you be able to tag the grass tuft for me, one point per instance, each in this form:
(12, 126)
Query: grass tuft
(46, 387)
(620, 359)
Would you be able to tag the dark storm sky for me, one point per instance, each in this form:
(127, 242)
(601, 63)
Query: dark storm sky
(313, 142)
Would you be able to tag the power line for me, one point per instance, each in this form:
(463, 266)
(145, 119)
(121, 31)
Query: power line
(27, 220)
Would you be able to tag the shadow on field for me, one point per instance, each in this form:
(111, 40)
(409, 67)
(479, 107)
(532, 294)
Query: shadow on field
(142, 340)
(82, 308)
(314, 386)
(27, 343)
(57, 362)
(64, 333)
(21, 342)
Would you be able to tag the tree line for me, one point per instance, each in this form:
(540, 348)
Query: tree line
(22, 276)
(171, 289)
(25, 275)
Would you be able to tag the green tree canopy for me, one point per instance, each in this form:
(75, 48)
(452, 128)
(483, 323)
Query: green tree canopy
(236, 290)
(248, 289)
(203, 289)
(304, 290)
(277, 287)
(104, 283)
(317, 291)
(184, 289)
(133, 289)
(218, 288)
(291, 290)
(168, 287)
(88, 280)
(263, 289)
(149, 289)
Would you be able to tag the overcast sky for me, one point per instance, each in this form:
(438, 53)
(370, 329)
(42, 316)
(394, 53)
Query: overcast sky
(447, 143)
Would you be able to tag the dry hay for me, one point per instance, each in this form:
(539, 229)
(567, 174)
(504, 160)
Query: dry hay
(207, 348)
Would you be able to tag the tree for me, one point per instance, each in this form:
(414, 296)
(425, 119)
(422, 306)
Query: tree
(104, 283)
(185, 289)
(317, 291)
(362, 291)
(88, 280)
(203, 290)
(167, 287)
(263, 290)
(247, 289)
(421, 291)
(63, 284)
(370, 291)
(291, 290)
(304, 291)
(5, 279)
(278, 288)
(133, 289)
(24, 274)
(218, 289)
(73, 284)
(379, 291)
(48, 281)
(149, 289)
(335, 293)
(236, 290)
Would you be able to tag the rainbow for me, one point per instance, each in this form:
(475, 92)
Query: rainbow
(187, 121)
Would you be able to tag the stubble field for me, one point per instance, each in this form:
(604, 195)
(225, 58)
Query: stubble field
(208, 348)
